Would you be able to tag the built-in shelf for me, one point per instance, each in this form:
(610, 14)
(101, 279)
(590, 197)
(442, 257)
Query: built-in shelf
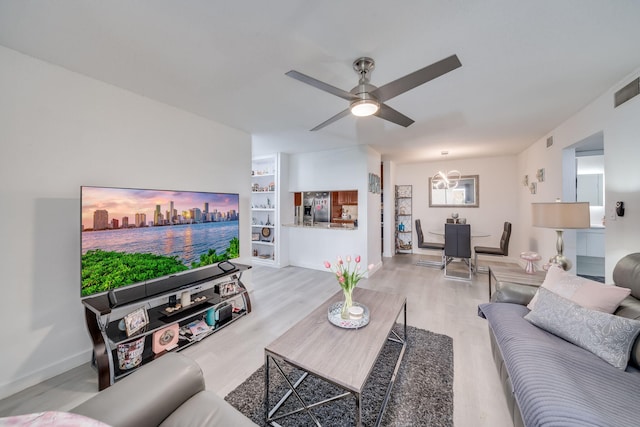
(264, 210)
(403, 232)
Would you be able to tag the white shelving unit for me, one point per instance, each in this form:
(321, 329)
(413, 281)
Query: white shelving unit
(403, 219)
(266, 199)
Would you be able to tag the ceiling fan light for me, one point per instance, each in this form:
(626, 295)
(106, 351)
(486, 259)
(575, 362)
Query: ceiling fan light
(364, 107)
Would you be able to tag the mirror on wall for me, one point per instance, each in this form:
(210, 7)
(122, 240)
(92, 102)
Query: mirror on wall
(465, 194)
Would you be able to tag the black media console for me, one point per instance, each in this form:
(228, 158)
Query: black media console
(217, 296)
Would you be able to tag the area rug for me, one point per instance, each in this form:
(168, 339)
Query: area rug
(422, 394)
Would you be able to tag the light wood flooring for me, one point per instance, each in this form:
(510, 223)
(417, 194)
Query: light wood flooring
(280, 297)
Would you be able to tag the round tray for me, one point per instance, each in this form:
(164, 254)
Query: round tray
(334, 315)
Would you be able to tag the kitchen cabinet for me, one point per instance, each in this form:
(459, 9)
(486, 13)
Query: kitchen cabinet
(590, 242)
(346, 197)
(343, 198)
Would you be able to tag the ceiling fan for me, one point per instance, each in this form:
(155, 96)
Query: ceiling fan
(366, 99)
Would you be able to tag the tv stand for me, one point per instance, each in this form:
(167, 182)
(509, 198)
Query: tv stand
(104, 321)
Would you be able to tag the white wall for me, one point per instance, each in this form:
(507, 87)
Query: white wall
(60, 130)
(335, 170)
(621, 129)
(499, 190)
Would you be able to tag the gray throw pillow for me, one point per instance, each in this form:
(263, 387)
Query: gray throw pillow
(607, 336)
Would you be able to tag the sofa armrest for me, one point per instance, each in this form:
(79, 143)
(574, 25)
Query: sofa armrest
(149, 395)
(514, 293)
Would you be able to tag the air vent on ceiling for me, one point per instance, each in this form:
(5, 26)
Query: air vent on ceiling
(626, 93)
(549, 141)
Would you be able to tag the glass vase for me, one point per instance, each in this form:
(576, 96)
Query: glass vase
(346, 305)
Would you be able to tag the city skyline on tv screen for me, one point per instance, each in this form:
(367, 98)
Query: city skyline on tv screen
(135, 235)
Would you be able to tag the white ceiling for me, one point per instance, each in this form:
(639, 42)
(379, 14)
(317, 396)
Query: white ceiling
(527, 65)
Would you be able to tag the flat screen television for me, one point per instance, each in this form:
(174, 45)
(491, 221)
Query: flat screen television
(142, 242)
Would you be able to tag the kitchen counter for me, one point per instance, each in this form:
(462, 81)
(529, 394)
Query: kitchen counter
(324, 225)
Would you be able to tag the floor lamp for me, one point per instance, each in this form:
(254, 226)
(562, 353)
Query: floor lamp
(560, 216)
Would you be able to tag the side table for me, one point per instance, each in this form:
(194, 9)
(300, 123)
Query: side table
(514, 274)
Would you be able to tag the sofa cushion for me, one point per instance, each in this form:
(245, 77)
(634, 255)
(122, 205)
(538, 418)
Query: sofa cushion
(51, 419)
(607, 336)
(206, 409)
(587, 293)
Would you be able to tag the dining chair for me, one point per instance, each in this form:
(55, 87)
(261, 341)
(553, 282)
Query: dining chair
(503, 250)
(429, 245)
(457, 245)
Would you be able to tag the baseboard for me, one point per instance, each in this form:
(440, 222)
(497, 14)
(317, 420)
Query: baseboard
(12, 387)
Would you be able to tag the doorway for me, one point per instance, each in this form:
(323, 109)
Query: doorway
(589, 182)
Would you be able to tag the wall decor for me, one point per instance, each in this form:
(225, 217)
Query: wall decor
(374, 183)
(465, 194)
(540, 175)
(525, 180)
(533, 187)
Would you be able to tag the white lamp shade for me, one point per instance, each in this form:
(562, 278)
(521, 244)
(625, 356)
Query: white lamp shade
(561, 215)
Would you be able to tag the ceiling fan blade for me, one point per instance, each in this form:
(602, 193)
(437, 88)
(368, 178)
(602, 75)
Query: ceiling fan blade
(388, 113)
(415, 79)
(321, 85)
(338, 116)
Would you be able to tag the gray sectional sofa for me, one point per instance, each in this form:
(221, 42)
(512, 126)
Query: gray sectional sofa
(168, 392)
(549, 381)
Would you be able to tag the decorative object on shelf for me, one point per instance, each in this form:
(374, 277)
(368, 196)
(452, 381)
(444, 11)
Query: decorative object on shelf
(165, 339)
(185, 298)
(532, 188)
(130, 354)
(348, 279)
(223, 313)
(255, 236)
(136, 320)
(540, 175)
(334, 314)
(226, 289)
(560, 215)
(530, 257)
(266, 232)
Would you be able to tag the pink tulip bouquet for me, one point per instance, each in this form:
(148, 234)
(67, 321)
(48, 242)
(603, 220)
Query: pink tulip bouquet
(348, 276)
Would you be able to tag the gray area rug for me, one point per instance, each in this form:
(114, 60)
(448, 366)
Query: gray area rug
(421, 396)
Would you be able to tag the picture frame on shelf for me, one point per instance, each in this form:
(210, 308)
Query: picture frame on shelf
(136, 321)
(227, 289)
(255, 236)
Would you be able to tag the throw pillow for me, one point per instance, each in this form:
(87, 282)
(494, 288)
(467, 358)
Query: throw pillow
(607, 336)
(584, 292)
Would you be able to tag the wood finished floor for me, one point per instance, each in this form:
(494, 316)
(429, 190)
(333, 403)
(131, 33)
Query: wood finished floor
(282, 296)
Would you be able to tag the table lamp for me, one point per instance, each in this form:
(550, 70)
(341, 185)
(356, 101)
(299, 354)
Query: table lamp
(560, 216)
